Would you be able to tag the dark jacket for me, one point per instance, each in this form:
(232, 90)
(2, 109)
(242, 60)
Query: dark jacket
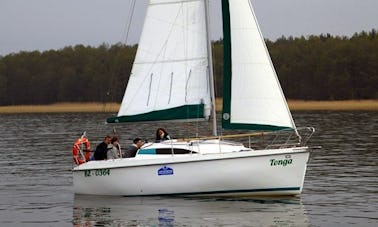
(131, 151)
(101, 151)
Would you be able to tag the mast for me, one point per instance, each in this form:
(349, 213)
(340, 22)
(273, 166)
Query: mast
(210, 67)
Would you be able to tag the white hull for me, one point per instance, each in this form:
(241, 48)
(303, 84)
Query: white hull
(243, 173)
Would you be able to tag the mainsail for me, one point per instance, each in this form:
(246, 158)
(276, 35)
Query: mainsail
(169, 79)
(252, 96)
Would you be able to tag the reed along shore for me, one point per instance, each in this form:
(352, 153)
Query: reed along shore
(294, 105)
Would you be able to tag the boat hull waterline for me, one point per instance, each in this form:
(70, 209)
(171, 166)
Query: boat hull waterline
(245, 173)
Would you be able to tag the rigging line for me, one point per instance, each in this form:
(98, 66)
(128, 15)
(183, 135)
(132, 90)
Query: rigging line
(210, 67)
(113, 81)
(131, 14)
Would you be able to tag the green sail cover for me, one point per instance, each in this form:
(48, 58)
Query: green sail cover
(178, 113)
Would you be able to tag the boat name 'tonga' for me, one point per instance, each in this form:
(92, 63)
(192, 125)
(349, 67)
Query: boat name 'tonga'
(281, 162)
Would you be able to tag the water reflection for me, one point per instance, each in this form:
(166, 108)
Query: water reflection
(178, 211)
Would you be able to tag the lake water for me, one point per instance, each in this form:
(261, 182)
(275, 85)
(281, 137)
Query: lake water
(340, 189)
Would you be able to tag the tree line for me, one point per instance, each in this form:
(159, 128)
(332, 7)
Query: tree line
(320, 67)
(326, 67)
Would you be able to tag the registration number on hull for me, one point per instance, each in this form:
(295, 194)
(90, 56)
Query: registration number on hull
(96, 172)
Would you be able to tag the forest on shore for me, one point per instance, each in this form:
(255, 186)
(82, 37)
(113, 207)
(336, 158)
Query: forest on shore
(323, 67)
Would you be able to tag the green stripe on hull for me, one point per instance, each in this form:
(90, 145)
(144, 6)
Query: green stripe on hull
(229, 192)
(247, 191)
(178, 113)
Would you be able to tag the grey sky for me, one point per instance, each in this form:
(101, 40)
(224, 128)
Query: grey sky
(53, 24)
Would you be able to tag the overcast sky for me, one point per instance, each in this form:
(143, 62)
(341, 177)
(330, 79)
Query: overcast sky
(53, 24)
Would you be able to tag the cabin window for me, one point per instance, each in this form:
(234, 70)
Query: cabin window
(167, 151)
(175, 151)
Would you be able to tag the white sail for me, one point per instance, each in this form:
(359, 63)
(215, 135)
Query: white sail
(170, 72)
(254, 99)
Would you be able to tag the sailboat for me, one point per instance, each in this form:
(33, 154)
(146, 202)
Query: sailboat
(172, 79)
